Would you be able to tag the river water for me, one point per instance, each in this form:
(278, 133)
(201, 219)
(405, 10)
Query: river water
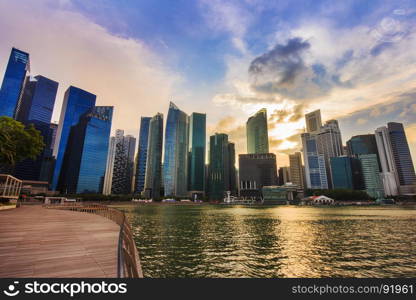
(280, 241)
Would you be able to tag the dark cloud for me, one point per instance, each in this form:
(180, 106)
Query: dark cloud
(377, 49)
(293, 115)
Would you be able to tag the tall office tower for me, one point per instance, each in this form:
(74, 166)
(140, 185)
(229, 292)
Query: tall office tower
(346, 173)
(371, 174)
(257, 133)
(76, 103)
(313, 121)
(54, 129)
(233, 171)
(329, 144)
(362, 144)
(141, 157)
(196, 166)
(402, 158)
(84, 164)
(13, 81)
(284, 175)
(315, 170)
(35, 107)
(219, 162)
(153, 179)
(388, 173)
(175, 164)
(123, 163)
(256, 171)
(108, 178)
(296, 170)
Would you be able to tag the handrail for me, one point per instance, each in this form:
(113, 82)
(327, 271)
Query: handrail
(128, 262)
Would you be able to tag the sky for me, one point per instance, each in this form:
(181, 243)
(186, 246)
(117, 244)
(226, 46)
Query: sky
(354, 60)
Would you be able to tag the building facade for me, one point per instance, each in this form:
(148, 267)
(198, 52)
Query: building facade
(313, 121)
(371, 175)
(315, 168)
(284, 175)
(296, 170)
(141, 158)
(197, 146)
(346, 173)
(108, 179)
(219, 170)
(257, 133)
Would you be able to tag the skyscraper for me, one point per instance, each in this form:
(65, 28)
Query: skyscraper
(256, 171)
(35, 107)
(123, 163)
(313, 121)
(371, 175)
(219, 162)
(175, 164)
(315, 169)
(141, 157)
(197, 140)
(402, 158)
(284, 175)
(296, 171)
(153, 177)
(257, 133)
(84, 164)
(346, 173)
(13, 80)
(388, 173)
(76, 103)
(233, 171)
(362, 144)
(108, 179)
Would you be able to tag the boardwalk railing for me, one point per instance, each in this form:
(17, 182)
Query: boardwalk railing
(128, 262)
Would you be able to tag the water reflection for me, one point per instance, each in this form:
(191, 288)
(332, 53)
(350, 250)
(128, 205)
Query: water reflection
(218, 241)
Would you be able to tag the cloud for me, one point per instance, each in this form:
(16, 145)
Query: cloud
(69, 48)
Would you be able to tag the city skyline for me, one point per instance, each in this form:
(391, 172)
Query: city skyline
(233, 70)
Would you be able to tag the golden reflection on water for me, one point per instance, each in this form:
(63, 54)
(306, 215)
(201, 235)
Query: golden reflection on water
(282, 241)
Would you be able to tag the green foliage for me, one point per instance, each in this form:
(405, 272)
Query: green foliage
(18, 142)
(340, 194)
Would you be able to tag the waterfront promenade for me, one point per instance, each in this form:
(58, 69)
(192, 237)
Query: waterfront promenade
(40, 242)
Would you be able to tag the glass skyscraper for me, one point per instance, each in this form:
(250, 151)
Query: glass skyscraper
(35, 107)
(371, 174)
(142, 155)
(362, 144)
(315, 169)
(175, 164)
(197, 140)
(153, 179)
(13, 81)
(346, 173)
(257, 133)
(84, 163)
(76, 103)
(219, 170)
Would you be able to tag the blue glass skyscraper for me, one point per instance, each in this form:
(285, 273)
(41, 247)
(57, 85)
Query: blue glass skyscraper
(84, 163)
(315, 169)
(346, 173)
(142, 155)
(197, 141)
(176, 153)
(76, 103)
(35, 107)
(13, 80)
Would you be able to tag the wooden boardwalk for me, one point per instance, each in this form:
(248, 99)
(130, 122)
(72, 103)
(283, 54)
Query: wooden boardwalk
(40, 242)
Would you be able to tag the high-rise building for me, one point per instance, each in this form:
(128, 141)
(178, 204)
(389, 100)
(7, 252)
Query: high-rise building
(13, 80)
(388, 173)
(219, 170)
(256, 171)
(84, 164)
(35, 107)
(123, 163)
(108, 179)
(153, 179)
(313, 121)
(284, 175)
(140, 174)
(362, 144)
(315, 169)
(346, 173)
(371, 174)
(76, 103)
(257, 133)
(233, 171)
(196, 166)
(296, 171)
(175, 166)
(402, 158)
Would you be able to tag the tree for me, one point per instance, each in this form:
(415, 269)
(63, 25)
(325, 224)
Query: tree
(18, 142)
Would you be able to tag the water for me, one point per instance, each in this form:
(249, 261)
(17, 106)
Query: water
(281, 241)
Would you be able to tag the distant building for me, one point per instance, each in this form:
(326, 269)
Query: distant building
(196, 165)
(153, 179)
(17, 68)
(233, 171)
(402, 158)
(108, 178)
(35, 106)
(346, 173)
(362, 144)
(76, 103)
(256, 171)
(313, 121)
(296, 170)
(175, 167)
(257, 133)
(141, 157)
(284, 175)
(315, 168)
(371, 175)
